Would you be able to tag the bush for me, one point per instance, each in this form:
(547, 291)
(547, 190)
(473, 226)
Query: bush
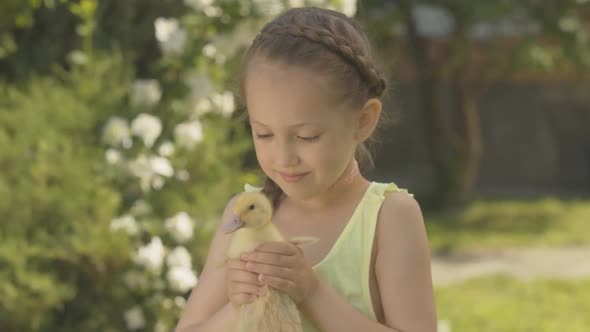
(55, 207)
(63, 267)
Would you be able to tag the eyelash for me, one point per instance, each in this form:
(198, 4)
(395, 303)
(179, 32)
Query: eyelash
(307, 139)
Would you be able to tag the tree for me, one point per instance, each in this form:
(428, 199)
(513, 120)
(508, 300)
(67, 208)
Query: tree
(468, 47)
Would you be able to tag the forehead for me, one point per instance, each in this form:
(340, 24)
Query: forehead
(279, 94)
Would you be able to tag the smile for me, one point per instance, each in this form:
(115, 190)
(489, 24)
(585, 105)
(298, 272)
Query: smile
(292, 178)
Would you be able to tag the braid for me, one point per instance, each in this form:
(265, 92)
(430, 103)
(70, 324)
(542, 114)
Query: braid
(336, 44)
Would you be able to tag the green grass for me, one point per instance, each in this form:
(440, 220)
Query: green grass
(497, 223)
(498, 304)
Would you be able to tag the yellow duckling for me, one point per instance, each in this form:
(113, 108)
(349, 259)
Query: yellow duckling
(275, 311)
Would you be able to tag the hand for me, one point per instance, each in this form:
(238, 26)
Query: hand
(281, 265)
(242, 285)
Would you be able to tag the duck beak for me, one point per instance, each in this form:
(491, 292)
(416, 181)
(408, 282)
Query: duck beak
(233, 225)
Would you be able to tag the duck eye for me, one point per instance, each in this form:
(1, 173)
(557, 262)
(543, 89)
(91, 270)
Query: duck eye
(252, 207)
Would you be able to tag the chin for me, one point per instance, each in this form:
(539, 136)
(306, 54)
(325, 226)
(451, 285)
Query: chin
(296, 190)
(301, 192)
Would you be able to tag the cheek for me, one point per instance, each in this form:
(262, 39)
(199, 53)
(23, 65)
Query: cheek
(262, 154)
(332, 154)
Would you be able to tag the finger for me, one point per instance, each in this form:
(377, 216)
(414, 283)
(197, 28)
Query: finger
(236, 264)
(272, 270)
(269, 258)
(279, 283)
(278, 247)
(245, 288)
(243, 276)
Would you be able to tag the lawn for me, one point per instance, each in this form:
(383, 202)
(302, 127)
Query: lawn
(501, 223)
(498, 304)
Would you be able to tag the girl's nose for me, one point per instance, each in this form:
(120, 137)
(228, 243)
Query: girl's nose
(287, 155)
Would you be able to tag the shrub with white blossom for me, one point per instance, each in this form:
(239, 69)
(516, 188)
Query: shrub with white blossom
(114, 179)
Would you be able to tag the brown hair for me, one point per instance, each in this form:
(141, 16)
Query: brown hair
(331, 44)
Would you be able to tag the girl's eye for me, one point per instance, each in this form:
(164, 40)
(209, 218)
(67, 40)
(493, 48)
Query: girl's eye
(310, 138)
(262, 136)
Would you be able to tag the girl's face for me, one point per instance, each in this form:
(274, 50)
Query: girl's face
(304, 138)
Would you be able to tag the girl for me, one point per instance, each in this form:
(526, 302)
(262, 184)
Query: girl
(312, 96)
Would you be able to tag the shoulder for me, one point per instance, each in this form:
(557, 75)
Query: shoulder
(399, 207)
(400, 224)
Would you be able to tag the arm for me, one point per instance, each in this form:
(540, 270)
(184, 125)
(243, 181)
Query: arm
(402, 267)
(330, 312)
(207, 308)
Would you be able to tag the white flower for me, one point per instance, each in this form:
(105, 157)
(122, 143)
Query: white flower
(148, 127)
(165, 27)
(113, 156)
(160, 327)
(296, 3)
(268, 7)
(146, 92)
(181, 227)
(116, 132)
(135, 280)
(224, 103)
(223, 47)
(140, 207)
(166, 149)
(198, 4)
(200, 85)
(78, 57)
(444, 326)
(151, 256)
(142, 169)
(134, 318)
(126, 223)
(188, 134)
(179, 257)
(202, 106)
(157, 182)
(209, 50)
(213, 11)
(348, 7)
(167, 303)
(161, 166)
(180, 301)
(150, 170)
(183, 175)
(181, 278)
(171, 36)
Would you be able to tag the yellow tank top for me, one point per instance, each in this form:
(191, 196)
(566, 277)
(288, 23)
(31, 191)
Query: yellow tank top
(346, 266)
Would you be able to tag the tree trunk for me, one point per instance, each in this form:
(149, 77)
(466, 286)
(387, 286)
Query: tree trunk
(466, 98)
(447, 180)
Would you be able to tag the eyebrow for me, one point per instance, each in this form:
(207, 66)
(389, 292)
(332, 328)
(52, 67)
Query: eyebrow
(297, 125)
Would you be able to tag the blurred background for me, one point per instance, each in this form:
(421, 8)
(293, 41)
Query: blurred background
(120, 144)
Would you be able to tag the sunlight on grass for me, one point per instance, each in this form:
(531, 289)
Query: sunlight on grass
(495, 223)
(504, 304)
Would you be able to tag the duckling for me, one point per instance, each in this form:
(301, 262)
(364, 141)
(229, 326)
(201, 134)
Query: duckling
(274, 311)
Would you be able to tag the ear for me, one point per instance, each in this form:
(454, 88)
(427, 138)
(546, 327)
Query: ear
(368, 119)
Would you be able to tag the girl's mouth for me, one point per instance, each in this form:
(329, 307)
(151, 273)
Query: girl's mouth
(293, 178)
